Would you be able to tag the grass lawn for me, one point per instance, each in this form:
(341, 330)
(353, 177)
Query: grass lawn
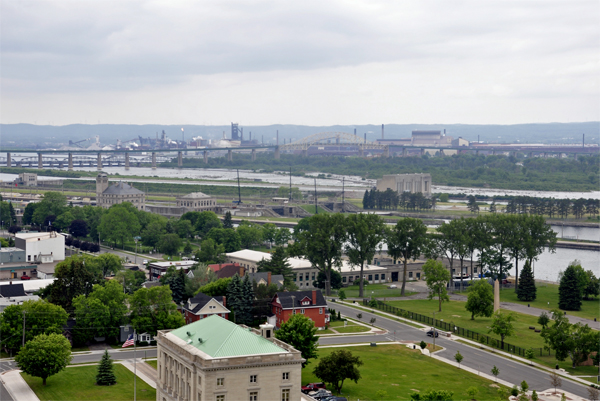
(377, 290)
(79, 383)
(311, 209)
(352, 329)
(455, 312)
(547, 298)
(411, 371)
(153, 363)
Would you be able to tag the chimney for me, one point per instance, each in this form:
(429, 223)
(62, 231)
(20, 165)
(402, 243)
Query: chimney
(268, 278)
(224, 301)
(314, 297)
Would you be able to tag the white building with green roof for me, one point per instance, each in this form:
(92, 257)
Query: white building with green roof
(214, 359)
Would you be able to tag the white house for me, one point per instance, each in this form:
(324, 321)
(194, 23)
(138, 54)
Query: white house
(42, 247)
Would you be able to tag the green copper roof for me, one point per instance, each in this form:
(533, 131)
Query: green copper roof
(222, 338)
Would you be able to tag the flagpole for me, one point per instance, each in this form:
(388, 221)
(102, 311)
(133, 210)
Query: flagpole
(134, 366)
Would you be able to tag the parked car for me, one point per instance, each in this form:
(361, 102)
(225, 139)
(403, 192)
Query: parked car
(25, 278)
(392, 286)
(433, 332)
(334, 398)
(320, 394)
(312, 387)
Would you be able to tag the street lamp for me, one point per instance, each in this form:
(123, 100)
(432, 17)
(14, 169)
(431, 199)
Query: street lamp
(136, 239)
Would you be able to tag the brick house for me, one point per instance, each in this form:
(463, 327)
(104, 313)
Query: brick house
(202, 306)
(312, 304)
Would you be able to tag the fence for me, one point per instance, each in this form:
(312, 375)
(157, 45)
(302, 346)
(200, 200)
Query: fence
(459, 331)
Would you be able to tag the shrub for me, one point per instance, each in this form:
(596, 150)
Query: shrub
(423, 344)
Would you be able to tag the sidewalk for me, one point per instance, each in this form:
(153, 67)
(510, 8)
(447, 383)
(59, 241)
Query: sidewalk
(142, 370)
(17, 387)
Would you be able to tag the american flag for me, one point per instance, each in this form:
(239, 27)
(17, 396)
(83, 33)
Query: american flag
(129, 341)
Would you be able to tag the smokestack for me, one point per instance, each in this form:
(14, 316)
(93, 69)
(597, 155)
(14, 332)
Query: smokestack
(250, 136)
(365, 137)
(242, 132)
(277, 137)
(354, 131)
(584, 140)
(382, 137)
(262, 138)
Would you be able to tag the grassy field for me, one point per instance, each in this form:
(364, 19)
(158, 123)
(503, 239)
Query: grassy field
(153, 363)
(547, 298)
(79, 383)
(351, 327)
(411, 371)
(455, 312)
(376, 290)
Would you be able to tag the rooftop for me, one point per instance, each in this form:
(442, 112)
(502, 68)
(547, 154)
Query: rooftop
(35, 236)
(220, 338)
(195, 195)
(179, 265)
(256, 256)
(121, 188)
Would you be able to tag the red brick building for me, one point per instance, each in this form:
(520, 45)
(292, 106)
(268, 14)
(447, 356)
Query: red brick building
(201, 306)
(312, 304)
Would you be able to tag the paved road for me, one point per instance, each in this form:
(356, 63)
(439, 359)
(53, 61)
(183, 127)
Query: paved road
(474, 358)
(4, 366)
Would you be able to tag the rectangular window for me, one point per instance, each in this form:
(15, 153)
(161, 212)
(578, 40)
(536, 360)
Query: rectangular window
(253, 378)
(300, 277)
(285, 394)
(200, 380)
(313, 276)
(286, 376)
(409, 274)
(221, 381)
(383, 276)
(370, 277)
(302, 311)
(254, 396)
(220, 397)
(474, 270)
(376, 277)
(344, 279)
(320, 311)
(294, 312)
(306, 276)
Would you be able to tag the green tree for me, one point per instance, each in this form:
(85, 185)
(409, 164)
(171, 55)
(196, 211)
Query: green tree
(472, 204)
(299, 332)
(539, 236)
(100, 313)
(153, 232)
(437, 279)
(495, 372)
(41, 317)
(365, 233)
(130, 280)
(234, 297)
(319, 239)
(250, 235)
(105, 376)
(269, 231)
(108, 264)
(184, 228)
(576, 341)
(480, 300)
(406, 241)
(530, 354)
(527, 289)
(592, 288)
(244, 314)
(458, 358)
(569, 290)
(227, 237)
(187, 249)
(44, 356)
(120, 222)
(282, 236)
(342, 294)
(152, 309)
(336, 280)
(227, 223)
(52, 204)
(472, 392)
(278, 264)
(169, 244)
(74, 276)
(176, 279)
(502, 326)
(78, 228)
(543, 320)
(216, 288)
(338, 366)
(210, 252)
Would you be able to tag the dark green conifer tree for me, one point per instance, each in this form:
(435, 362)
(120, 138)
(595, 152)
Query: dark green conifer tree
(526, 291)
(569, 290)
(234, 297)
(106, 376)
(227, 221)
(247, 300)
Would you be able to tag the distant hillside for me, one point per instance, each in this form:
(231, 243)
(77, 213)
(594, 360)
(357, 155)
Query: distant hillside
(28, 135)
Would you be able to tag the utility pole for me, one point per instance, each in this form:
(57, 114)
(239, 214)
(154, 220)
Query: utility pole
(290, 184)
(343, 194)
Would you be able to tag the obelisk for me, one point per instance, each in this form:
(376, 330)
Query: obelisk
(496, 295)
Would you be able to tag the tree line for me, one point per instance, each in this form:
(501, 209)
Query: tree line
(392, 200)
(552, 207)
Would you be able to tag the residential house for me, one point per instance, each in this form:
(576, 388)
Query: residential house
(312, 304)
(202, 306)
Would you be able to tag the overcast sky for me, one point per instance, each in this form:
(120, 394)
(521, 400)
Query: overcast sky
(299, 62)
